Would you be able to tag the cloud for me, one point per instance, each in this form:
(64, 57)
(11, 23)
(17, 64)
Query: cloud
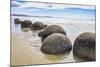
(15, 4)
(36, 6)
(53, 6)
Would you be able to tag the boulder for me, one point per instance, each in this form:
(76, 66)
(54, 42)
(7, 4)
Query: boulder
(56, 43)
(26, 24)
(38, 26)
(17, 21)
(84, 46)
(50, 30)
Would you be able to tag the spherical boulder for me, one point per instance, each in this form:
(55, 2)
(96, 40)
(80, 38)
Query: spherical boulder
(56, 43)
(26, 24)
(38, 26)
(84, 46)
(17, 21)
(50, 30)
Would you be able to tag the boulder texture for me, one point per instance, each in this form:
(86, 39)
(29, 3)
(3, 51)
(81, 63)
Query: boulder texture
(84, 46)
(17, 21)
(38, 26)
(50, 30)
(56, 43)
(26, 24)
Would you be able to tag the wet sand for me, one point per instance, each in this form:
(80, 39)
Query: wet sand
(23, 54)
(25, 45)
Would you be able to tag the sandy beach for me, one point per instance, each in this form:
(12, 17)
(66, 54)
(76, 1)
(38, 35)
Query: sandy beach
(25, 46)
(23, 54)
(25, 41)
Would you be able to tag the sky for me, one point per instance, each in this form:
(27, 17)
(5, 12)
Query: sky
(54, 10)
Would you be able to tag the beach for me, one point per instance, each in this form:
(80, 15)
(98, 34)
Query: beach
(25, 44)
(25, 41)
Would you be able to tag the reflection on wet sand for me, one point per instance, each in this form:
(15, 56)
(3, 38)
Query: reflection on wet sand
(25, 29)
(26, 45)
(56, 58)
(24, 54)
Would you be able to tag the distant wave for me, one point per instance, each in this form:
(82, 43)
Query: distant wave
(34, 16)
(76, 19)
(20, 15)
